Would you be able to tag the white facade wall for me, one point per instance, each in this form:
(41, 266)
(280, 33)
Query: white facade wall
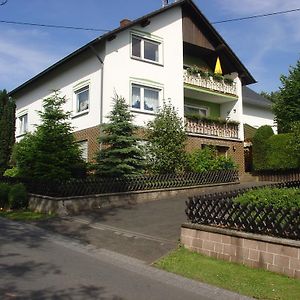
(65, 79)
(258, 116)
(120, 69)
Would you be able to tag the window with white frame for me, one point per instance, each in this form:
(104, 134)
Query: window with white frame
(82, 98)
(196, 110)
(146, 49)
(144, 98)
(83, 146)
(23, 123)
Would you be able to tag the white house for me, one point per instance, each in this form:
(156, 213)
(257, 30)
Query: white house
(146, 61)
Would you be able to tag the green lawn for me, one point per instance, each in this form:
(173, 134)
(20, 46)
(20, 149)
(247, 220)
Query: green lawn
(24, 215)
(255, 283)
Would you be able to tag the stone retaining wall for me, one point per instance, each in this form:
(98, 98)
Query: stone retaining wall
(71, 205)
(257, 251)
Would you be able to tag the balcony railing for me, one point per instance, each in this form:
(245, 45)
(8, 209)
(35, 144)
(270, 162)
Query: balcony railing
(203, 127)
(210, 83)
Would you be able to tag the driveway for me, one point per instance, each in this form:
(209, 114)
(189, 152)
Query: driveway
(36, 264)
(144, 231)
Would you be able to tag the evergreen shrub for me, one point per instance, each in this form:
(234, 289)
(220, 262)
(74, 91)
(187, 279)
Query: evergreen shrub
(4, 190)
(18, 197)
(261, 147)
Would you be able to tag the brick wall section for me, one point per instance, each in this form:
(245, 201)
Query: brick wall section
(236, 148)
(273, 254)
(91, 135)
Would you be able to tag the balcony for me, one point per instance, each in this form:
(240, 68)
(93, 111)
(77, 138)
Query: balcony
(209, 83)
(212, 129)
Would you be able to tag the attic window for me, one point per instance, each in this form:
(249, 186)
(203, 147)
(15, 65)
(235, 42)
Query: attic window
(145, 49)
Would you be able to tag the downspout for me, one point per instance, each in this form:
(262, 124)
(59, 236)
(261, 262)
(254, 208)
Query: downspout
(101, 87)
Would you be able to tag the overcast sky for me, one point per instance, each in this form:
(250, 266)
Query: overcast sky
(267, 46)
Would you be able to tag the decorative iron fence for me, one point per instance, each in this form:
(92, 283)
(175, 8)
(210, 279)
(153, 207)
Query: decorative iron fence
(220, 210)
(94, 185)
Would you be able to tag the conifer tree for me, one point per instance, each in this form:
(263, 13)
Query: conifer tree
(7, 129)
(120, 155)
(51, 152)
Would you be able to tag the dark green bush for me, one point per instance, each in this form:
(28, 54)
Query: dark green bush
(261, 147)
(280, 153)
(18, 197)
(206, 159)
(278, 198)
(4, 190)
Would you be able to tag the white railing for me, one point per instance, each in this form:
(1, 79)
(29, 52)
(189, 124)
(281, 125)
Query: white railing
(210, 83)
(202, 127)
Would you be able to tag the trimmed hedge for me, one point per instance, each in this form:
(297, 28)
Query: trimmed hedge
(277, 197)
(280, 154)
(261, 147)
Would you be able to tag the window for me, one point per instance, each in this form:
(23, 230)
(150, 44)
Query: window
(23, 123)
(194, 110)
(144, 98)
(145, 49)
(82, 99)
(83, 146)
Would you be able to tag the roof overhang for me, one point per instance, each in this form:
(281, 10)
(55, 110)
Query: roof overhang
(144, 21)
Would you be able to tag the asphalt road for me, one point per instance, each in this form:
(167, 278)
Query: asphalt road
(36, 264)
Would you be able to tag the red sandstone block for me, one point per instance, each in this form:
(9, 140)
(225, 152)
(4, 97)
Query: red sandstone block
(275, 269)
(226, 239)
(208, 245)
(282, 261)
(297, 274)
(215, 237)
(253, 254)
(230, 250)
(197, 243)
(289, 272)
(283, 250)
(218, 247)
(295, 263)
(250, 244)
(202, 235)
(224, 257)
(242, 252)
(186, 240)
(265, 257)
(262, 246)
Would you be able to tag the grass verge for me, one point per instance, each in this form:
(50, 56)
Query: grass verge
(24, 215)
(255, 283)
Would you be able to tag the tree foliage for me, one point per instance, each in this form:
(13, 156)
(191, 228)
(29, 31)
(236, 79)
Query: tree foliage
(7, 129)
(207, 159)
(51, 152)
(287, 104)
(120, 155)
(166, 141)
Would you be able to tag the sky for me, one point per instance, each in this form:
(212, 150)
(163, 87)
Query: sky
(268, 47)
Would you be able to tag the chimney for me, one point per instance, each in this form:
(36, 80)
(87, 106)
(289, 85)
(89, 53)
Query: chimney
(165, 3)
(124, 22)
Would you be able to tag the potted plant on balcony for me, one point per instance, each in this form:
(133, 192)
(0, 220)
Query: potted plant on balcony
(218, 77)
(228, 81)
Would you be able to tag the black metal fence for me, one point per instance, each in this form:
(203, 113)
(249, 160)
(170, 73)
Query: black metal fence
(220, 210)
(94, 185)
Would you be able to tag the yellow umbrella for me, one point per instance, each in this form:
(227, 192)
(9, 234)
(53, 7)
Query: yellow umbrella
(218, 68)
